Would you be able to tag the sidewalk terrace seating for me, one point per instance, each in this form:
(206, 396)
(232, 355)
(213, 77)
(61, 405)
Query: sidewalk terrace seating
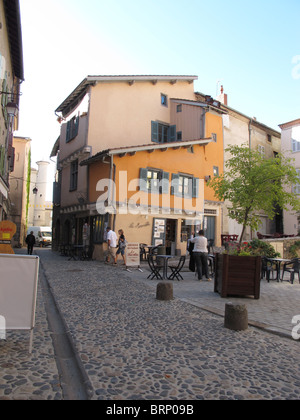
(228, 238)
(155, 268)
(77, 252)
(292, 267)
(176, 269)
(273, 235)
(267, 268)
(146, 250)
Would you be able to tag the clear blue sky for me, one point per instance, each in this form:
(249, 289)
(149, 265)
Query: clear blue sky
(252, 47)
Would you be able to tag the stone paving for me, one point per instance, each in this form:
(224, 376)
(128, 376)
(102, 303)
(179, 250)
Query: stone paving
(134, 347)
(278, 303)
(25, 376)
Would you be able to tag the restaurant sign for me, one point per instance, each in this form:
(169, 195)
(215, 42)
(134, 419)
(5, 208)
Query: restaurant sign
(7, 231)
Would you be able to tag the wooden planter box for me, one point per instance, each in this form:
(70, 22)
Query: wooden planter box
(237, 275)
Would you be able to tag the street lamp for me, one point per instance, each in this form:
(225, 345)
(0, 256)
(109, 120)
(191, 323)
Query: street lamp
(12, 109)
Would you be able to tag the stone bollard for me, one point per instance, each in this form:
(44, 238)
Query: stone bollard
(164, 290)
(236, 317)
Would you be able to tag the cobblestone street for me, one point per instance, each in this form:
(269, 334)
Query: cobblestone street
(134, 347)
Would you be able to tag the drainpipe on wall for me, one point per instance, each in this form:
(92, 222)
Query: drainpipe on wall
(250, 132)
(113, 197)
(112, 176)
(110, 192)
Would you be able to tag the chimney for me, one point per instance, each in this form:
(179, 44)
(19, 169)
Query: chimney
(222, 97)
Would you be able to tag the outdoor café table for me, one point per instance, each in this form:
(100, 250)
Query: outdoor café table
(165, 265)
(76, 252)
(277, 262)
(151, 248)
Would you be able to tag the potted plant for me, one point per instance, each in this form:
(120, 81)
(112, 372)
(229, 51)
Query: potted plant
(238, 269)
(251, 185)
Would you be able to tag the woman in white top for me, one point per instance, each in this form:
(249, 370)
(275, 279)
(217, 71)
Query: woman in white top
(200, 254)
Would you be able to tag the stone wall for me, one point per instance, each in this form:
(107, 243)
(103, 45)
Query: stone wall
(282, 245)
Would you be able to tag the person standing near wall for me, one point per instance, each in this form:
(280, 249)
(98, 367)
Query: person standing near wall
(200, 254)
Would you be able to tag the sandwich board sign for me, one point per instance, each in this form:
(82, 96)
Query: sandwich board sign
(18, 292)
(133, 255)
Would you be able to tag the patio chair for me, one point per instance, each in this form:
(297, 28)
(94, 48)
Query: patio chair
(267, 268)
(292, 267)
(176, 269)
(211, 264)
(143, 254)
(155, 268)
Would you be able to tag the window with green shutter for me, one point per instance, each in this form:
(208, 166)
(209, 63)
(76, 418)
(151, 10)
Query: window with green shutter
(154, 131)
(72, 129)
(74, 175)
(4, 97)
(154, 180)
(2, 157)
(185, 186)
(195, 192)
(162, 133)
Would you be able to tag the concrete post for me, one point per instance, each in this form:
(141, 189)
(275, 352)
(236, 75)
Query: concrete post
(164, 291)
(236, 317)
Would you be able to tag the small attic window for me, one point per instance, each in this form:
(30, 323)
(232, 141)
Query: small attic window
(163, 99)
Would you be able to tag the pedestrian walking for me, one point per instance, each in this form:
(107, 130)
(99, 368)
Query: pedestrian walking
(30, 241)
(190, 249)
(200, 254)
(112, 244)
(121, 246)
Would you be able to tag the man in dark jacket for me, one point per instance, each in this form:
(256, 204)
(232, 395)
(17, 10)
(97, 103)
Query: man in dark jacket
(30, 240)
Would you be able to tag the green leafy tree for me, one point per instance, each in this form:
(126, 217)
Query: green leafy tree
(253, 184)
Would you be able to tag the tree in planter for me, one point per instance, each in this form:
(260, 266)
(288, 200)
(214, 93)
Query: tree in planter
(253, 184)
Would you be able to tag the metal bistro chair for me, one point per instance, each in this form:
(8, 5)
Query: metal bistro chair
(210, 245)
(267, 268)
(176, 269)
(155, 268)
(292, 267)
(211, 264)
(143, 255)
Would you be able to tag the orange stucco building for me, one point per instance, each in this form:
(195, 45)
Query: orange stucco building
(160, 186)
(142, 133)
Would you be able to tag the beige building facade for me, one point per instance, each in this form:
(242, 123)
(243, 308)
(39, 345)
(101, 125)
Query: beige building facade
(240, 129)
(19, 181)
(11, 76)
(290, 134)
(104, 112)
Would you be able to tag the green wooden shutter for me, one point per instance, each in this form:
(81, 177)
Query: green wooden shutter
(154, 131)
(68, 132)
(172, 133)
(195, 187)
(2, 155)
(165, 183)
(175, 184)
(76, 126)
(143, 179)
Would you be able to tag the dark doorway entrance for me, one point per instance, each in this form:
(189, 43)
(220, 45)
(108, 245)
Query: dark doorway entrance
(171, 236)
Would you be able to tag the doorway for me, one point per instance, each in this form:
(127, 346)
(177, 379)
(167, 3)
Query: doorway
(209, 227)
(171, 236)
